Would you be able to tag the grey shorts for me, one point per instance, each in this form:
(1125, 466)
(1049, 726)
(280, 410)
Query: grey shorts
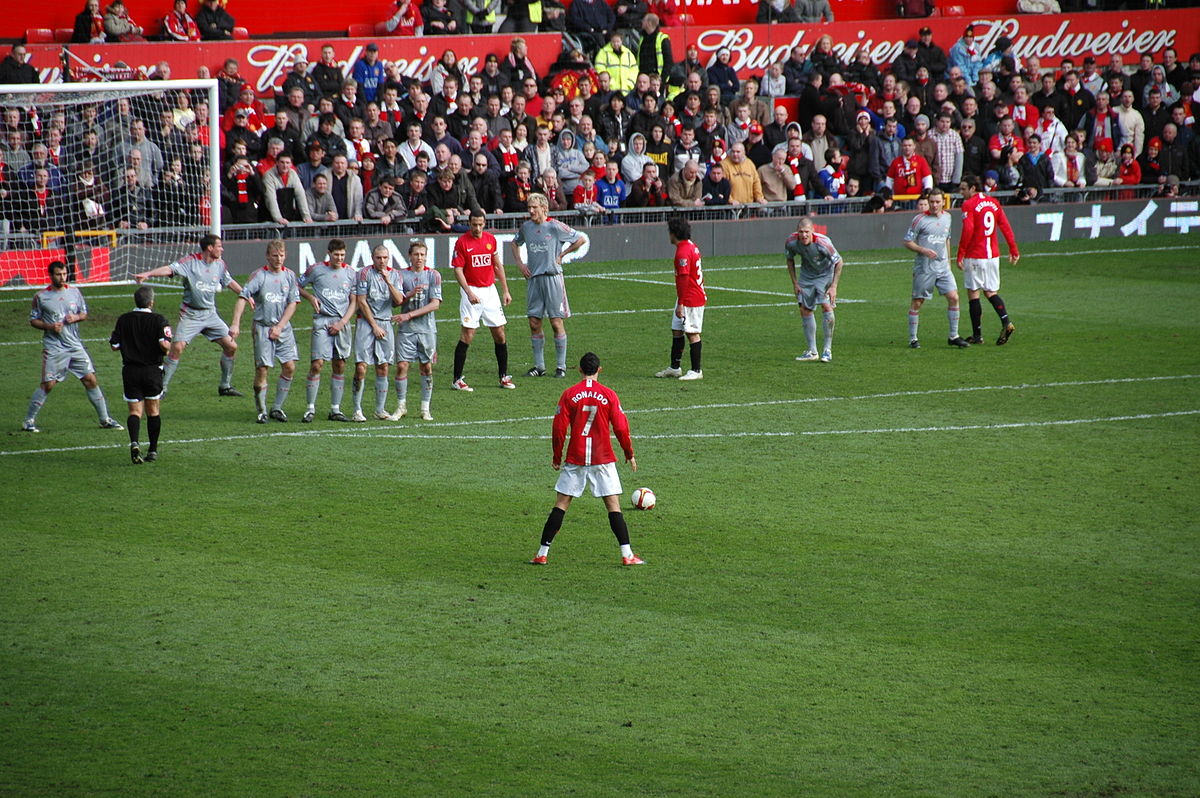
(416, 347)
(57, 365)
(369, 349)
(925, 282)
(267, 352)
(193, 322)
(330, 347)
(812, 293)
(547, 297)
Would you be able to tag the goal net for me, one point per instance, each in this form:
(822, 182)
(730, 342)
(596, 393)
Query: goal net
(112, 178)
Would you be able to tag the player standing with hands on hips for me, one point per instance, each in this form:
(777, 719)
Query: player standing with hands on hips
(543, 239)
(587, 411)
(142, 337)
(688, 318)
(929, 237)
(979, 256)
(57, 311)
(820, 270)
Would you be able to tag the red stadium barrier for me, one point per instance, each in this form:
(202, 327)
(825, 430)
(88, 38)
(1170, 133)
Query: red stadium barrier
(30, 266)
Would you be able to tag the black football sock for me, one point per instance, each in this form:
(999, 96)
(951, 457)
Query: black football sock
(502, 359)
(998, 304)
(695, 353)
(460, 359)
(553, 524)
(617, 522)
(134, 425)
(153, 425)
(976, 318)
(676, 351)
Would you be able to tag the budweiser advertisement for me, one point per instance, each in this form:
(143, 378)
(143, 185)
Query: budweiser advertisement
(1051, 37)
(264, 63)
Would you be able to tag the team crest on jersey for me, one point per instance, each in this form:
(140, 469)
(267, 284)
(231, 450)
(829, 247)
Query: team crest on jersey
(488, 247)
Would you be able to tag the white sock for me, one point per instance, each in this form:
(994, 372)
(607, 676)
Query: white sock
(543, 551)
(626, 550)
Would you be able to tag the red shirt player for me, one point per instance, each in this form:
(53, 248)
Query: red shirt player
(587, 411)
(979, 256)
(909, 172)
(477, 267)
(688, 318)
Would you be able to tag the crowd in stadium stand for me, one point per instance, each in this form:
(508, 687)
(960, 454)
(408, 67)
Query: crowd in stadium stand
(628, 117)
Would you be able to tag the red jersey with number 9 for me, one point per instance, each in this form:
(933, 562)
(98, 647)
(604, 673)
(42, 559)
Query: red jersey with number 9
(689, 277)
(589, 410)
(476, 257)
(983, 219)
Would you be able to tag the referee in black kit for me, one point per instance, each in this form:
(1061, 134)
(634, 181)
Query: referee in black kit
(142, 337)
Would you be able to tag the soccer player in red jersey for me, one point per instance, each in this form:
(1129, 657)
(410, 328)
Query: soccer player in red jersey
(979, 255)
(477, 267)
(587, 411)
(688, 318)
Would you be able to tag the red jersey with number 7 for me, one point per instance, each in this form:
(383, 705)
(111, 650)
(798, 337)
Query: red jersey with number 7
(476, 257)
(689, 277)
(587, 411)
(983, 220)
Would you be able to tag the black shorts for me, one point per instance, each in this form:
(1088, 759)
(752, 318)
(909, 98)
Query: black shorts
(142, 382)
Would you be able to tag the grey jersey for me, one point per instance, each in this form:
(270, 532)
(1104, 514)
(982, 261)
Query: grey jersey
(430, 283)
(201, 281)
(931, 232)
(543, 242)
(53, 306)
(272, 292)
(817, 260)
(374, 286)
(332, 287)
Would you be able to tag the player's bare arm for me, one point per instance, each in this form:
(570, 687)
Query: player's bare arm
(365, 309)
(498, 268)
(521, 265)
(791, 267)
(284, 321)
(404, 318)
(161, 271)
(920, 250)
(235, 327)
(632, 463)
(312, 299)
(461, 276)
(833, 286)
(574, 245)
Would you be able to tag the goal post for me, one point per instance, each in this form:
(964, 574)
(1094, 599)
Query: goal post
(111, 177)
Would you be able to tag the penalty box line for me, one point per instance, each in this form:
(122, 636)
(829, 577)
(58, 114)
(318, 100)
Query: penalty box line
(383, 431)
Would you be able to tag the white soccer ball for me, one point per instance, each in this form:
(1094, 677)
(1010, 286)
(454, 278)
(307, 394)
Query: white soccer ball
(642, 499)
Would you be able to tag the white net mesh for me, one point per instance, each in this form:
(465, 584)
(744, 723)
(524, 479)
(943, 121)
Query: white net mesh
(111, 178)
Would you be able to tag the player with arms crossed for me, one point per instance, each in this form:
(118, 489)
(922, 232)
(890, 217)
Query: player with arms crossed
(329, 286)
(275, 292)
(543, 239)
(203, 274)
(820, 270)
(142, 337)
(979, 256)
(477, 268)
(416, 341)
(586, 413)
(929, 237)
(57, 311)
(376, 291)
(690, 299)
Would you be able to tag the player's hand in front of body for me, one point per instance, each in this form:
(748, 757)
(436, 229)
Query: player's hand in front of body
(507, 299)
(632, 463)
(474, 300)
(1012, 259)
(832, 295)
(378, 331)
(401, 318)
(315, 305)
(274, 333)
(796, 286)
(679, 311)
(555, 464)
(335, 328)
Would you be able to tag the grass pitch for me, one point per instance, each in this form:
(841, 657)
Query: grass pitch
(929, 572)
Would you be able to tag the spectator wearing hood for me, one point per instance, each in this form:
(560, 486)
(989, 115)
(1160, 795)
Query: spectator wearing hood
(723, 76)
(568, 161)
(635, 159)
(1158, 79)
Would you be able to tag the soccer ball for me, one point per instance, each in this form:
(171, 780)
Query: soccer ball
(642, 499)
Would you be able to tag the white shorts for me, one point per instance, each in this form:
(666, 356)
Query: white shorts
(487, 310)
(603, 479)
(981, 274)
(692, 321)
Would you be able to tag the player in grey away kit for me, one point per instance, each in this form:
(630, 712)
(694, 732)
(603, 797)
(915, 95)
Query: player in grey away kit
(275, 293)
(203, 274)
(57, 311)
(820, 270)
(329, 286)
(416, 341)
(929, 237)
(543, 239)
(376, 291)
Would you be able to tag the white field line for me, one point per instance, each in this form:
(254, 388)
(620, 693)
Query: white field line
(158, 287)
(383, 431)
(664, 311)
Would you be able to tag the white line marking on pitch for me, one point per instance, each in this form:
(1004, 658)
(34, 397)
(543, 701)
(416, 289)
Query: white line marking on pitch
(367, 432)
